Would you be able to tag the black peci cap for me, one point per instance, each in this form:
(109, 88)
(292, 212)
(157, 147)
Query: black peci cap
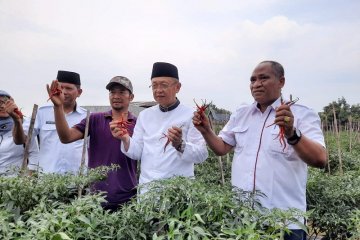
(68, 77)
(163, 69)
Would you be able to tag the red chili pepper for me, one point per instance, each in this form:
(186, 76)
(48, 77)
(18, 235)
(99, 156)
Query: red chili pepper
(201, 109)
(281, 134)
(124, 124)
(167, 141)
(19, 113)
(54, 91)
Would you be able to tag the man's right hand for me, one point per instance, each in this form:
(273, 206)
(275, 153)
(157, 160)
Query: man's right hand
(10, 107)
(55, 93)
(201, 122)
(118, 132)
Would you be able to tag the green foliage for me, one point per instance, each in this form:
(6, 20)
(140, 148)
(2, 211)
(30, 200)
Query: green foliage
(182, 208)
(176, 208)
(334, 199)
(20, 194)
(210, 170)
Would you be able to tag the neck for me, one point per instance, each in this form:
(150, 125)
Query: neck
(69, 108)
(170, 106)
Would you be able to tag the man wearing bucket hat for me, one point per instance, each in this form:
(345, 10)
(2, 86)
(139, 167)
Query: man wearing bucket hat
(164, 137)
(12, 155)
(104, 149)
(54, 156)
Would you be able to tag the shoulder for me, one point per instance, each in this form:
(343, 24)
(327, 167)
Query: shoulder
(185, 108)
(47, 107)
(81, 110)
(304, 112)
(45, 111)
(149, 110)
(244, 108)
(299, 108)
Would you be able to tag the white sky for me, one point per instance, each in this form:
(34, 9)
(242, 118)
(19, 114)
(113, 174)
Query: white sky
(215, 45)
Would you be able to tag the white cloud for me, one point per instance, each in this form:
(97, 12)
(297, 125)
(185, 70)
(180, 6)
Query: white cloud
(215, 44)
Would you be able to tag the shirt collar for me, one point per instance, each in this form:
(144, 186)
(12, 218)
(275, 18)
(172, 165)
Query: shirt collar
(171, 107)
(108, 114)
(274, 105)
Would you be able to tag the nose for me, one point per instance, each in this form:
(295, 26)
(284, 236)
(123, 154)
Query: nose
(257, 83)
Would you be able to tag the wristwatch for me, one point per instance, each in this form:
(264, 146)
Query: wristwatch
(295, 138)
(181, 147)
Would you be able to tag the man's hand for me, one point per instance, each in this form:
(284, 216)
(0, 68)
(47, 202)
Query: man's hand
(55, 93)
(11, 108)
(175, 136)
(201, 122)
(117, 131)
(285, 118)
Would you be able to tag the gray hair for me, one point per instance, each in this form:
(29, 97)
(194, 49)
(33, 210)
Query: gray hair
(277, 68)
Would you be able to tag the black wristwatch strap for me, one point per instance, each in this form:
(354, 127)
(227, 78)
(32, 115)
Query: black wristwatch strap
(295, 138)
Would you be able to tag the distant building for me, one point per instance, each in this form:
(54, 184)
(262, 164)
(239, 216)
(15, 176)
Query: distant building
(134, 107)
(218, 118)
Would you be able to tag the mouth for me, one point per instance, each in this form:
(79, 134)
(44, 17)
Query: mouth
(257, 92)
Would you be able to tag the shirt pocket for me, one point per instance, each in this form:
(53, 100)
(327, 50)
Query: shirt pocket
(240, 133)
(48, 134)
(278, 146)
(48, 127)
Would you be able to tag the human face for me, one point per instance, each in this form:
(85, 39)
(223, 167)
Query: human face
(120, 98)
(71, 92)
(3, 113)
(265, 86)
(164, 90)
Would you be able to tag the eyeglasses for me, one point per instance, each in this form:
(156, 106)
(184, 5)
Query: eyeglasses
(161, 86)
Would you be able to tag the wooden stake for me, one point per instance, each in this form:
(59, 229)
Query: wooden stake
(338, 142)
(80, 188)
(28, 141)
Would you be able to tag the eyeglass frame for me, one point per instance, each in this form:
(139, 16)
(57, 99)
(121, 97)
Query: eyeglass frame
(161, 86)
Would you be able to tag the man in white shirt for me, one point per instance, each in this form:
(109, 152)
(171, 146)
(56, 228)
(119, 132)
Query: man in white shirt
(164, 137)
(12, 155)
(54, 156)
(272, 159)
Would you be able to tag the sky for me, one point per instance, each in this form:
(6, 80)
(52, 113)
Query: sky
(215, 45)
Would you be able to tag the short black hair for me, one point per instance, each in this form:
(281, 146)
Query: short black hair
(277, 68)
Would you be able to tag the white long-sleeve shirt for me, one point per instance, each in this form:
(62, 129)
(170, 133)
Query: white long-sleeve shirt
(147, 144)
(12, 155)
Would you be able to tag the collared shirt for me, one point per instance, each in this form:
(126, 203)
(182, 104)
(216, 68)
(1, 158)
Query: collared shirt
(12, 155)
(148, 144)
(104, 150)
(54, 156)
(280, 174)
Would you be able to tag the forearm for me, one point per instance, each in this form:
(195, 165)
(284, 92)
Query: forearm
(62, 126)
(312, 153)
(18, 132)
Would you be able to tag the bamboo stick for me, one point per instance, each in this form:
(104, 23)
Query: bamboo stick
(350, 133)
(338, 142)
(80, 188)
(221, 171)
(28, 141)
